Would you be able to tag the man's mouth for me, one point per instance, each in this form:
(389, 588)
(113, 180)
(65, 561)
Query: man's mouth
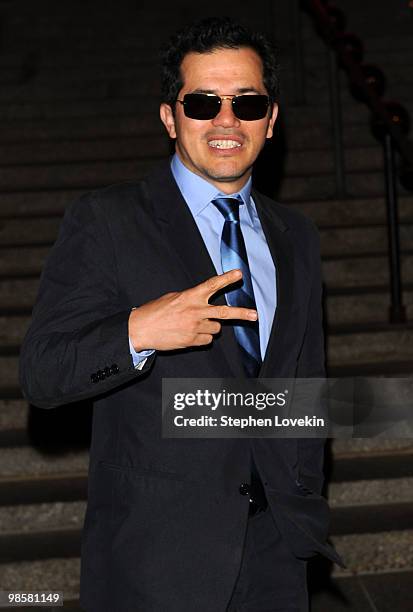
(224, 144)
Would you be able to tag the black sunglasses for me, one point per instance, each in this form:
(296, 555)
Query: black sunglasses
(207, 106)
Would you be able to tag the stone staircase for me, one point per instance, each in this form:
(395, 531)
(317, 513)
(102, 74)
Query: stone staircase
(79, 110)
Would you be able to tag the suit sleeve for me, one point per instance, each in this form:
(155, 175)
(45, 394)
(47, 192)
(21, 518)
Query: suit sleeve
(76, 346)
(311, 364)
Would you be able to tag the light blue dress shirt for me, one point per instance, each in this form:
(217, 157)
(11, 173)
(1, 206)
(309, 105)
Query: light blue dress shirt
(198, 193)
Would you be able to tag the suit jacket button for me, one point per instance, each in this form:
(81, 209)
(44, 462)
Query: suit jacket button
(114, 368)
(107, 371)
(101, 375)
(94, 377)
(244, 488)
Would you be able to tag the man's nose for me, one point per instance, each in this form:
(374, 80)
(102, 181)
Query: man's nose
(226, 115)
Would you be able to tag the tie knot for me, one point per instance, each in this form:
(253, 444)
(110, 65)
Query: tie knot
(228, 207)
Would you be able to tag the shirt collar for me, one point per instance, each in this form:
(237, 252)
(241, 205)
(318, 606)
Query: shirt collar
(198, 192)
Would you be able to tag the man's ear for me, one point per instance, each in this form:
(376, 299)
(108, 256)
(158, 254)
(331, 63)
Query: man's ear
(168, 119)
(273, 119)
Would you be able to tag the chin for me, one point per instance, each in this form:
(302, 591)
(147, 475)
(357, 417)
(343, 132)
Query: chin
(226, 172)
(227, 177)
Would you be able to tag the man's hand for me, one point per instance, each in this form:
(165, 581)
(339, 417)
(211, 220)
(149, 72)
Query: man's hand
(184, 318)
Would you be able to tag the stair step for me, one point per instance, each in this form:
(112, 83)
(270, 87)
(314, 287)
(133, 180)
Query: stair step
(48, 33)
(43, 76)
(40, 231)
(83, 128)
(359, 159)
(28, 462)
(50, 575)
(9, 371)
(64, 58)
(12, 330)
(37, 203)
(87, 174)
(387, 60)
(349, 449)
(317, 90)
(375, 42)
(366, 184)
(370, 347)
(18, 292)
(364, 271)
(392, 369)
(353, 212)
(22, 261)
(370, 492)
(43, 489)
(371, 518)
(364, 307)
(13, 415)
(102, 88)
(374, 552)
(398, 80)
(40, 545)
(375, 463)
(78, 151)
(27, 518)
(339, 241)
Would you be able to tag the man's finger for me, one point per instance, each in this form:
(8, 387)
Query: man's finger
(230, 312)
(209, 326)
(202, 339)
(215, 283)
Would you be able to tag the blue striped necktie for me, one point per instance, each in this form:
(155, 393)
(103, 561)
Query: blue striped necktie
(234, 255)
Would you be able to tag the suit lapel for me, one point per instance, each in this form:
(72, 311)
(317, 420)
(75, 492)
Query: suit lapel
(181, 232)
(279, 242)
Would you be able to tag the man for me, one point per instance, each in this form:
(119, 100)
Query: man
(140, 286)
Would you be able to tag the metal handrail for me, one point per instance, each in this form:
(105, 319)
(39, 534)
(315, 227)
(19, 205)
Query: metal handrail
(353, 68)
(393, 135)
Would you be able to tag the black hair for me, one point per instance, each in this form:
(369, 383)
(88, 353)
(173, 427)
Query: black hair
(207, 35)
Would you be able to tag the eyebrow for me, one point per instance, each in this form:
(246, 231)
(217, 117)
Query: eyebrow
(240, 90)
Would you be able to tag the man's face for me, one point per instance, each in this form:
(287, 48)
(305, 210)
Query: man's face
(222, 72)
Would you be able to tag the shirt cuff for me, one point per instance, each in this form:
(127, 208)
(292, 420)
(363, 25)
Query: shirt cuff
(139, 359)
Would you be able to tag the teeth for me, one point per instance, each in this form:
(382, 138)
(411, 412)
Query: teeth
(224, 144)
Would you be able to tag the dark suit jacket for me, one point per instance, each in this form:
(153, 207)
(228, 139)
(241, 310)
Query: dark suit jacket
(165, 520)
